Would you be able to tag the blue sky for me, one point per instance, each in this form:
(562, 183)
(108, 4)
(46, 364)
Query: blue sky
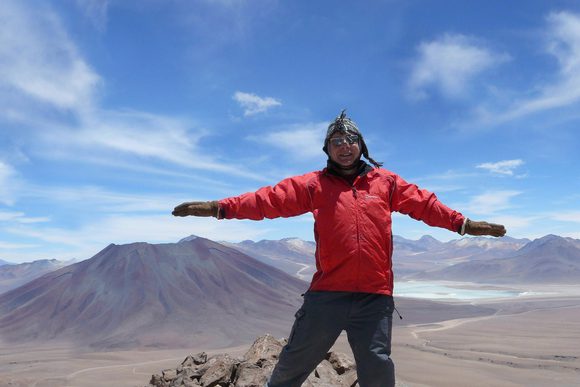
(113, 112)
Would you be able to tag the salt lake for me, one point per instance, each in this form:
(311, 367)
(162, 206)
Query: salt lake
(454, 290)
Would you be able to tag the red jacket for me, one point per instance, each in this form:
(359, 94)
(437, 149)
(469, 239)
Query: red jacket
(352, 223)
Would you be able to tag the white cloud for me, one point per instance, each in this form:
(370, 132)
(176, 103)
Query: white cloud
(101, 201)
(14, 246)
(20, 217)
(303, 141)
(515, 223)
(42, 66)
(566, 216)
(8, 184)
(490, 202)
(563, 43)
(254, 104)
(139, 136)
(449, 64)
(39, 61)
(85, 241)
(505, 167)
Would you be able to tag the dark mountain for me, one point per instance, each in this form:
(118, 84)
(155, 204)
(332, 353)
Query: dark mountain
(292, 255)
(141, 295)
(13, 276)
(550, 259)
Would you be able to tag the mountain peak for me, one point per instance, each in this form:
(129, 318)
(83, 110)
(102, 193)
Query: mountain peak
(549, 241)
(190, 238)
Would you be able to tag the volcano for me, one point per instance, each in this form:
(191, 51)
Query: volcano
(196, 292)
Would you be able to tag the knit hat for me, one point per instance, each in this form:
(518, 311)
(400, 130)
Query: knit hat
(345, 125)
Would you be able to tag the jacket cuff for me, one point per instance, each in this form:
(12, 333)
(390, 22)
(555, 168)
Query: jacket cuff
(461, 230)
(221, 211)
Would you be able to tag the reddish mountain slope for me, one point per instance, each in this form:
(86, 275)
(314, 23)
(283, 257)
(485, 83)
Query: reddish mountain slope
(181, 294)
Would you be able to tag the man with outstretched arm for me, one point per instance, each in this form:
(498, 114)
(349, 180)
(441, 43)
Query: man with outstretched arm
(352, 289)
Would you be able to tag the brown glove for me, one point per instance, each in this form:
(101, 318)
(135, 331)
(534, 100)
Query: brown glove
(197, 209)
(484, 228)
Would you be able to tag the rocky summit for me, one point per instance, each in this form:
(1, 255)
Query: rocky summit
(254, 369)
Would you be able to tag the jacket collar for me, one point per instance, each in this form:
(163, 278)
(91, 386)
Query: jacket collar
(362, 170)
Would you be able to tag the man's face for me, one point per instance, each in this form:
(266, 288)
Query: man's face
(344, 149)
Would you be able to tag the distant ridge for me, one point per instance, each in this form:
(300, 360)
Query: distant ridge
(15, 275)
(144, 295)
(549, 260)
(292, 255)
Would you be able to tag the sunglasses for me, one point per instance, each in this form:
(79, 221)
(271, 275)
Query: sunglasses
(348, 139)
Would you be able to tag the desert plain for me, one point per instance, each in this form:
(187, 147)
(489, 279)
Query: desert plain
(529, 340)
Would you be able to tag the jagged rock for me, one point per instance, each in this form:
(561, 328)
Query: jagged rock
(169, 375)
(254, 369)
(200, 358)
(340, 362)
(264, 348)
(190, 373)
(158, 381)
(325, 371)
(194, 360)
(349, 378)
(221, 371)
(177, 382)
(252, 375)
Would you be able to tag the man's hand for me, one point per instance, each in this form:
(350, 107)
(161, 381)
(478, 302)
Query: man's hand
(483, 228)
(197, 209)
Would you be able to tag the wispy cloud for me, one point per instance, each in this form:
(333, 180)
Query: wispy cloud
(254, 104)
(505, 167)
(449, 64)
(41, 64)
(83, 242)
(563, 42)
(15, 246)
(491, 202)
(8, 183)
(566, 216)
(300, 141)
(38, 61)
(20, 217)
(515, 223)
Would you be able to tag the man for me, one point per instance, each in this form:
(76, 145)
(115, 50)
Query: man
(352, 288)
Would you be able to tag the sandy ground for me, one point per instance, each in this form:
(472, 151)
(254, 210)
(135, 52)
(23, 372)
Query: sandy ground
(531, 341)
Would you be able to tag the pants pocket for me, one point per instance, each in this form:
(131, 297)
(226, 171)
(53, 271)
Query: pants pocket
(299, 315)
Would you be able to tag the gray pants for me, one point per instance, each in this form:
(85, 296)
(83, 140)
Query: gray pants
(367, 319)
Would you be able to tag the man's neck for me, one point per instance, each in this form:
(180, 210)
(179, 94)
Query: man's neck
(349, 173)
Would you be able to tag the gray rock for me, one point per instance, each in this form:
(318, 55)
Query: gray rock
(253, 375)
(254, 369)
(158, 381)
(264, 348)
(177, 382)
(340, 362)
(326, 374)
(221, 371)
(349, 379)
(169, 375)
(193, 360)
(200, 358)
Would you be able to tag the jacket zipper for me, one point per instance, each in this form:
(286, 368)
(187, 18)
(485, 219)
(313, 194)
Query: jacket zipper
(357, 220)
